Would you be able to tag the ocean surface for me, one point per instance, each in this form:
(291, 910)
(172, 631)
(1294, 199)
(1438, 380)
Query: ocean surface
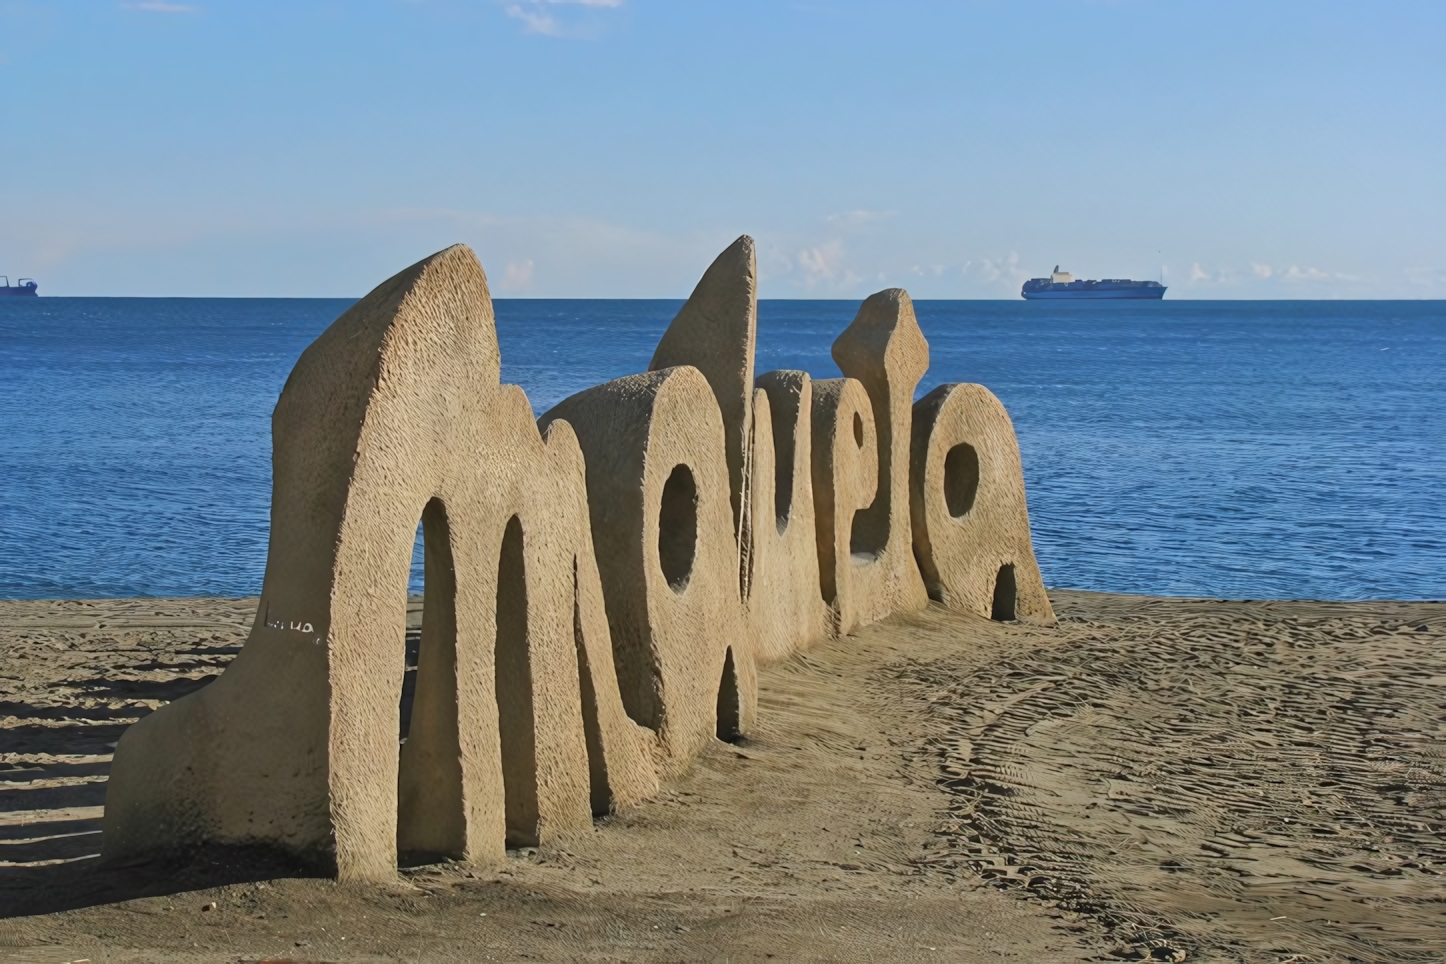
(1226, 449)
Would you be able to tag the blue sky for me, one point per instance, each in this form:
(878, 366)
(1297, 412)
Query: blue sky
(610, 148)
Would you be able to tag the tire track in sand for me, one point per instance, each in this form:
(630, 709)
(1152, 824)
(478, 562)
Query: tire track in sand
(1236, 780)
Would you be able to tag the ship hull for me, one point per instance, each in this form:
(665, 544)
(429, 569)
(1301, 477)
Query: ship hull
(1133, 294)
(24, 291)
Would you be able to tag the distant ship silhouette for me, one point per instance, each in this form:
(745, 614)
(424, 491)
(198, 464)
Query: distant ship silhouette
(24, 288)
(1061, 284)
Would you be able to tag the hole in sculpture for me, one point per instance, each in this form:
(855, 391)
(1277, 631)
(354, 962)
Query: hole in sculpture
(961, 479)
(513, 679)
(785, 424)
(412, 642)
(429, 774)
(1005, 594)
(678, 527)
(728, 723)
(416, 581)
(869, 528)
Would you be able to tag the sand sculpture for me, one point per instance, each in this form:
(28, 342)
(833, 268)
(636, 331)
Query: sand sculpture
(601, 583)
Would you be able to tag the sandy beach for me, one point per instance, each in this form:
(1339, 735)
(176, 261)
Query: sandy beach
(1165, 779)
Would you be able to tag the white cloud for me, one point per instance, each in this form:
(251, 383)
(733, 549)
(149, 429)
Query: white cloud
(1315, 275)
(1004, 270)
(824, 266)
(821, 262)
(517, 275)
(1296, 274)
(159, 6)
(534, 18)
(1266, 277)
(245, 249)
(537, 18)
(1425, 276)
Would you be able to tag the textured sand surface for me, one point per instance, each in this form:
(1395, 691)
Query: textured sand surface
(1264, 778)
(1228, 781)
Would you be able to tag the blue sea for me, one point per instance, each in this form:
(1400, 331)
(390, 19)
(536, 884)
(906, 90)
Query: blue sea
(1225, 449)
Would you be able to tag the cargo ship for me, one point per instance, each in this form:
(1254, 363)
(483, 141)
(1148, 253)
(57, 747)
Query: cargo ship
(1061, 284)
(24, 288)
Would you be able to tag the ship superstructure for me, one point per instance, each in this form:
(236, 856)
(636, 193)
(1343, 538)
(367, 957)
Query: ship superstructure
(23, 288)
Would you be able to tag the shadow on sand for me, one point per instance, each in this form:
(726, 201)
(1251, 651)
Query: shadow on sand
(56, 758)
(87, 882)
